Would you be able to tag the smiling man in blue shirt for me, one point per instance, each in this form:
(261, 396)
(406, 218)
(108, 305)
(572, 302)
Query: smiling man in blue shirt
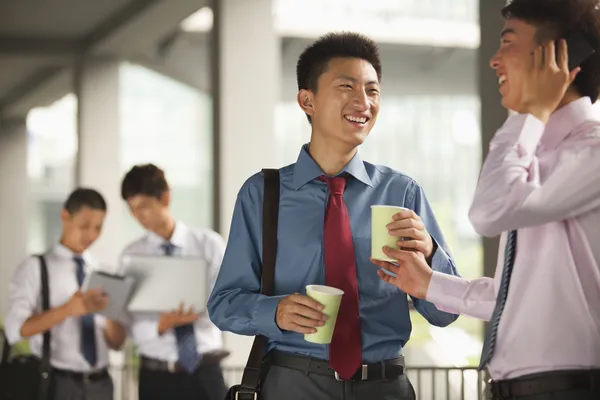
(339, 90)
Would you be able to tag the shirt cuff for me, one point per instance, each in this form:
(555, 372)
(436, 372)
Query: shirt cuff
(446, 292)
(100, 320)
(439, 260)
(264, 317)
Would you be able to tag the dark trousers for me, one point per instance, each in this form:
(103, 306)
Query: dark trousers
(555, 385)
(66, 388)
(291, 384)
(207, 383)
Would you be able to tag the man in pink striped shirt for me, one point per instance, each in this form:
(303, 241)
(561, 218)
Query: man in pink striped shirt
(540, 190)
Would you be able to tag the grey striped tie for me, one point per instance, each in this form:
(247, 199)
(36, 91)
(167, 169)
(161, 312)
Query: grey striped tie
(509, 261)
(185, 335)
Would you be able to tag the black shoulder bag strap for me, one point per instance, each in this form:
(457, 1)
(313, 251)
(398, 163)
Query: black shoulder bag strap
(252, 372)
(45, 367)
(5, 350)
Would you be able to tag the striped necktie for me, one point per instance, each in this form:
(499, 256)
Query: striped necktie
(185, 335)
(88, 325)
(509, 262)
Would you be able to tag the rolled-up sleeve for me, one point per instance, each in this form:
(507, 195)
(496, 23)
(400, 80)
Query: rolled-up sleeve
(23, 298)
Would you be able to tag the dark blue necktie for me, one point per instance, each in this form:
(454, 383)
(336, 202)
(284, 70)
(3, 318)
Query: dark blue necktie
(509, 262)
(186, 338)
(88, 326)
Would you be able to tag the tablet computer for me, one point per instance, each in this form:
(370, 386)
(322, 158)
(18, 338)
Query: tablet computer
(117, 287)
(162, 283)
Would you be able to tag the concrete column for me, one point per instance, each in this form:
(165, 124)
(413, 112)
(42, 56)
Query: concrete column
(97, 85)
(14, 216)
(247, 67)
(98, 160)
(493, 114)
(248, 92)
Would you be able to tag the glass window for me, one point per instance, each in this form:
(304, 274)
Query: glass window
(52, 146)
(169, 124)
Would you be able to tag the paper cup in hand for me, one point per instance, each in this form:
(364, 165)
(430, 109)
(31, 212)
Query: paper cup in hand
(330, 298)
(381, 216)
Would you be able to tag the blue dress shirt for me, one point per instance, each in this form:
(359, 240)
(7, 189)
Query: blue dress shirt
(235, 303)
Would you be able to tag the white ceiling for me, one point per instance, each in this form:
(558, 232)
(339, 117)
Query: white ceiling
(54, 18)
(41, 39)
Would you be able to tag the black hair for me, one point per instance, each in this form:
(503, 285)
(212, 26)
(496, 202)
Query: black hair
(84, 197)
(145, 179)
(314, 60)
(555, 19)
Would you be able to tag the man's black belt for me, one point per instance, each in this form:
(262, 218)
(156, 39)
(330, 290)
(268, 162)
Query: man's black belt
(151, 364)
(82, 376)
(546, 382)
(388, 369)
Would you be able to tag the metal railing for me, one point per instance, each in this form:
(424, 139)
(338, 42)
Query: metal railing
(430, 383)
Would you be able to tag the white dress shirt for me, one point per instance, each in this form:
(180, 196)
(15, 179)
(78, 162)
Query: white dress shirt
(202, 243)
(25, 300)
(543, 180)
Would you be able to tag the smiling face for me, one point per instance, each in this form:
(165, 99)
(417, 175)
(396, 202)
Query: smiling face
(81, 228)
(345, 105)
(517, 41)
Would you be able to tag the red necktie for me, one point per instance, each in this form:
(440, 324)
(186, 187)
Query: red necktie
(345, 351)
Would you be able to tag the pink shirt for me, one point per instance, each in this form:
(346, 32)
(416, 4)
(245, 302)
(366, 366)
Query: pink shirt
(545, 182)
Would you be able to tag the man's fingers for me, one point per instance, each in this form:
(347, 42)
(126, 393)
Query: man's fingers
(190, 318)
(102, 304)
(562, 56)
(405, 223)
(417, 245)
(405, 214)
(305, 322)
(300, 329)
(413, 233)
(306, 301)
(305, 311)
(390, 267)
(551, 54)
(386, 277)
(385, 265)
(573, 74)
(537, 58)
(401, 255)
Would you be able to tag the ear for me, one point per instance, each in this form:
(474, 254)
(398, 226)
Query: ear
(64, 216)
(306, 101)
(165, 198)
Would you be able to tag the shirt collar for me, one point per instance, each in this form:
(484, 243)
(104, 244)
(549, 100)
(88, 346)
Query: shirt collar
(306, 169)
(177, 239)
(66, 254)
(563, 121)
